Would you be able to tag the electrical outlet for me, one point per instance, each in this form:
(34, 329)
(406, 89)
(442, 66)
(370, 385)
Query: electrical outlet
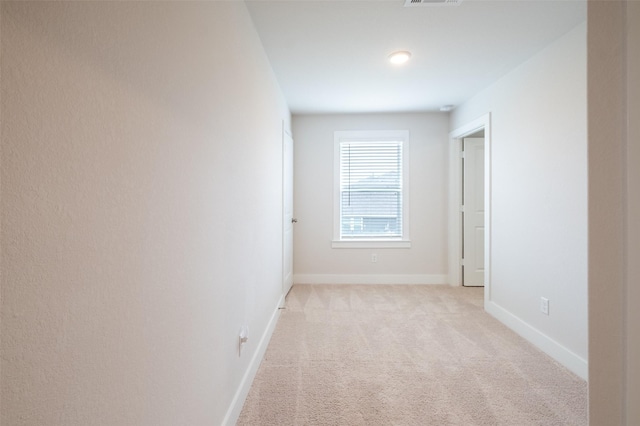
(544, 305)
(374, 258)
(243, 336)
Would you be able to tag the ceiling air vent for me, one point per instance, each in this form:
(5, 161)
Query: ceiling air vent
(412, 3)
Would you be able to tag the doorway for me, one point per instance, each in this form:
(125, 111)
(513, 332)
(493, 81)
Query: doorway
(480, 127)
(287, 212)
(473, 210)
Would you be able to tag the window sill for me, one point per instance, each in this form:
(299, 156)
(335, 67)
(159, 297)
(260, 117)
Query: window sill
(370, 244)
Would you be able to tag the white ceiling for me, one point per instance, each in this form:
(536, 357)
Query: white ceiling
(331, 56)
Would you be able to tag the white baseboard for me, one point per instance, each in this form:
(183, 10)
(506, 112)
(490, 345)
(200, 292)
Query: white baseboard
(370, 279)
(555, 350)
(233, 413)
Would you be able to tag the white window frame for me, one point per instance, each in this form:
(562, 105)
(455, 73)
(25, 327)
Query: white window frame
(369, 136)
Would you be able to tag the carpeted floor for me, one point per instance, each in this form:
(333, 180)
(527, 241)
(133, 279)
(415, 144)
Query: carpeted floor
(405, 355)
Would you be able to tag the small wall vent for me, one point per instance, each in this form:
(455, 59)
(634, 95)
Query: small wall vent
(413, 3)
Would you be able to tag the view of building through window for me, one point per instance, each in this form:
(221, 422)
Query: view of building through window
(371, 183)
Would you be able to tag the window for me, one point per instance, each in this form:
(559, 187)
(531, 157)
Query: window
(371, 196)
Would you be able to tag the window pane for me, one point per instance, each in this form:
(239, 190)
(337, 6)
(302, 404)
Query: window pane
(371, 189)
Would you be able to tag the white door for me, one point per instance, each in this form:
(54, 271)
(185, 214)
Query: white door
(473, 212)
(287, 209)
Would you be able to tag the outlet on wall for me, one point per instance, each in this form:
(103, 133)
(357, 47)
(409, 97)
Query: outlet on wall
(544, 305)
(374, 258)
(243, 336)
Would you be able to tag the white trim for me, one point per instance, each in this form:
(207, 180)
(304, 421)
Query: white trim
(372, 135)
(371, 244)
(555, 350)
(419, 279)
(455, 197)
(235, 408)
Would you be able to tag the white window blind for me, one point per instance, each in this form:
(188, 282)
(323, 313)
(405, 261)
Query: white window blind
(371, 189)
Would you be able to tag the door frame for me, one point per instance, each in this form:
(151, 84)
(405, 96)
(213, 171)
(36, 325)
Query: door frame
(286, 220)
(455, 200)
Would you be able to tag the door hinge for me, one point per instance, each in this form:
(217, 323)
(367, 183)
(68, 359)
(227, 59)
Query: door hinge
(461, 154)
(462, 262)
(462, 209)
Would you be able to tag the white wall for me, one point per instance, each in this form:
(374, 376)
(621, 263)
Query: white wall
(539, 196)
(141, 210)
(314, 258)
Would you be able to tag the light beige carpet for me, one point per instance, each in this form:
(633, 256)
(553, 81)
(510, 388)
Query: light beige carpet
(405, 355)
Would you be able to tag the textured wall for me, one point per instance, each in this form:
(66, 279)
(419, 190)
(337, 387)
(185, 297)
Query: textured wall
(314, 175)
(539, 192)
(141, 209)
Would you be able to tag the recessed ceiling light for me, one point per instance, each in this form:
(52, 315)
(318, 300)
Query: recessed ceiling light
(398, 58)
(446, 108)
